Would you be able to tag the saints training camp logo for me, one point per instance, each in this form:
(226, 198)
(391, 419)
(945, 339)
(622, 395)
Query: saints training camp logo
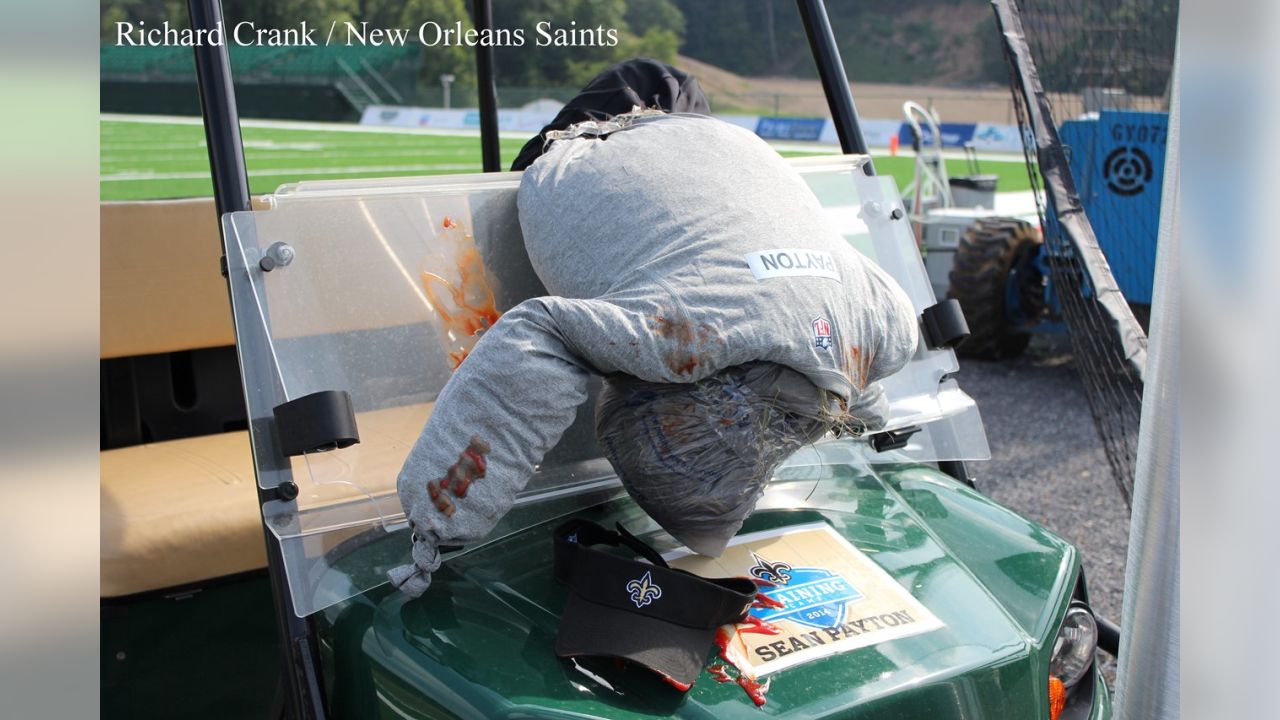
(821, 333)
(643, 591)
(778, 573)
(815, 597)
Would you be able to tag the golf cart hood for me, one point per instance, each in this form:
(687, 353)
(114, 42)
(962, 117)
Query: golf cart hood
(481, 642)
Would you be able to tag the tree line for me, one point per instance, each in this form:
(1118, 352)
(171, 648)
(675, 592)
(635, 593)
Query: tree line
(904, 41)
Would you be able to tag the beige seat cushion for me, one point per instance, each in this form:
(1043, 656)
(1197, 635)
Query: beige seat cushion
(177, 512)
(182, 511)
(150, 303)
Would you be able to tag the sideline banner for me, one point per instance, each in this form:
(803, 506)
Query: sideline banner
(827, 597)
(876, 132)
(993, 137)
(453, 118)
(783, 128)
(953, 134)
(996, 137)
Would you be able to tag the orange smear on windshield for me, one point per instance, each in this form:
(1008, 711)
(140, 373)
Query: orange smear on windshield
(470, 308)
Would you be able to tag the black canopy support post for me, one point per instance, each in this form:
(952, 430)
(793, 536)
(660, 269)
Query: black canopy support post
(822, 41)
(486, 84)
(298, 650)
(958, 470)
(221, 119)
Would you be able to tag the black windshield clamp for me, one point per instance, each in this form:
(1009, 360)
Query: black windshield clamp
(316, 423)
(944, 325)
(286, 491)
(893, 439)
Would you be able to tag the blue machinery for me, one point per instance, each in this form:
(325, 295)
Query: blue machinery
(1117, 160)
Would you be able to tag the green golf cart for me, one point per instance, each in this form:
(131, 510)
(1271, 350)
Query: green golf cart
(919, 597)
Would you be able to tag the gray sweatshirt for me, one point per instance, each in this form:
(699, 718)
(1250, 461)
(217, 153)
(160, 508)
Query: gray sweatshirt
(673, 248)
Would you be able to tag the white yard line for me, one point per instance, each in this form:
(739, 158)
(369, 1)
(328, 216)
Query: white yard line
(947, 153)
(314, 126)
(291, 172)
(805, 147)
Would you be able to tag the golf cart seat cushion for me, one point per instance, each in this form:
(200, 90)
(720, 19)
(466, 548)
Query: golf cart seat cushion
(178, 512)
(150, 303)
(185, 511)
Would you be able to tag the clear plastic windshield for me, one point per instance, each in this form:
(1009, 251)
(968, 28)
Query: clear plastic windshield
(868, 212)
(376, 288)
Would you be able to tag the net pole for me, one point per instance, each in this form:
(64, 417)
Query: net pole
(1147, 679)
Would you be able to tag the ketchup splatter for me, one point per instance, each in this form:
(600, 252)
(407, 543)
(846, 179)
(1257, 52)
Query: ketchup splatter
(746, 680)
(758, 626)
(764, 601)
(691, 345)
(732, 657)
(682, 362)
(857, 365)
(682, 687)
(754, 688)
(473, 309)
(470, 467)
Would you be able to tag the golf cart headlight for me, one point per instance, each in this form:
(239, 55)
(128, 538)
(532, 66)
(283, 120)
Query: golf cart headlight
(1075, 645)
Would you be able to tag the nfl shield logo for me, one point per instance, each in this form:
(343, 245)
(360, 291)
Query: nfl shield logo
(822, 333)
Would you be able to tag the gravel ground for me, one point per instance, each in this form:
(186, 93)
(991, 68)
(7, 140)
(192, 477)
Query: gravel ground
(1047, 462)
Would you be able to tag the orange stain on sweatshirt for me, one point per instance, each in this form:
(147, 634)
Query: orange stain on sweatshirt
(857, 366)
(692, 343)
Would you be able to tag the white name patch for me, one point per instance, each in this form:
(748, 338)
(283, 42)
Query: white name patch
(792, 262)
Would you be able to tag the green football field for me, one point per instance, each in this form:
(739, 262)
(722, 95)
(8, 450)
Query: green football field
(148, 160)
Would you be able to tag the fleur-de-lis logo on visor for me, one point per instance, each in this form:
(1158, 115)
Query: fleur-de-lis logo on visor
(778, 573)
(643, 591)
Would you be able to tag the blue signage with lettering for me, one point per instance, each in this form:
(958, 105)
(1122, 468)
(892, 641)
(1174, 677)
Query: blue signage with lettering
(774, 128)
(1117, 160)
(953, 134)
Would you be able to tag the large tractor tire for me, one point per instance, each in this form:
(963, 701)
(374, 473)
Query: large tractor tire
(988, 252)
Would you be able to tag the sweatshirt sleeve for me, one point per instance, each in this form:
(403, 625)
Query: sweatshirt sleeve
(504, 408)
(510, 401)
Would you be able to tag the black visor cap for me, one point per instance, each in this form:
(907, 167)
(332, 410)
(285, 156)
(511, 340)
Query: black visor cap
(656, 616)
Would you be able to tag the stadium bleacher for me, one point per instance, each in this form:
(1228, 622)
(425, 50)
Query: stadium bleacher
(296, 64)
(319, 83)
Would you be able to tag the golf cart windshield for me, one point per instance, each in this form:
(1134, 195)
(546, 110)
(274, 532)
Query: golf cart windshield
(370, 288)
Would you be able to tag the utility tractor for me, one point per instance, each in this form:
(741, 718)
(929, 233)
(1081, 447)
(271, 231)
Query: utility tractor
(990, 255)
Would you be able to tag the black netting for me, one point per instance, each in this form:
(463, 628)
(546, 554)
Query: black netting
(1101, 62)
(1096, 54)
